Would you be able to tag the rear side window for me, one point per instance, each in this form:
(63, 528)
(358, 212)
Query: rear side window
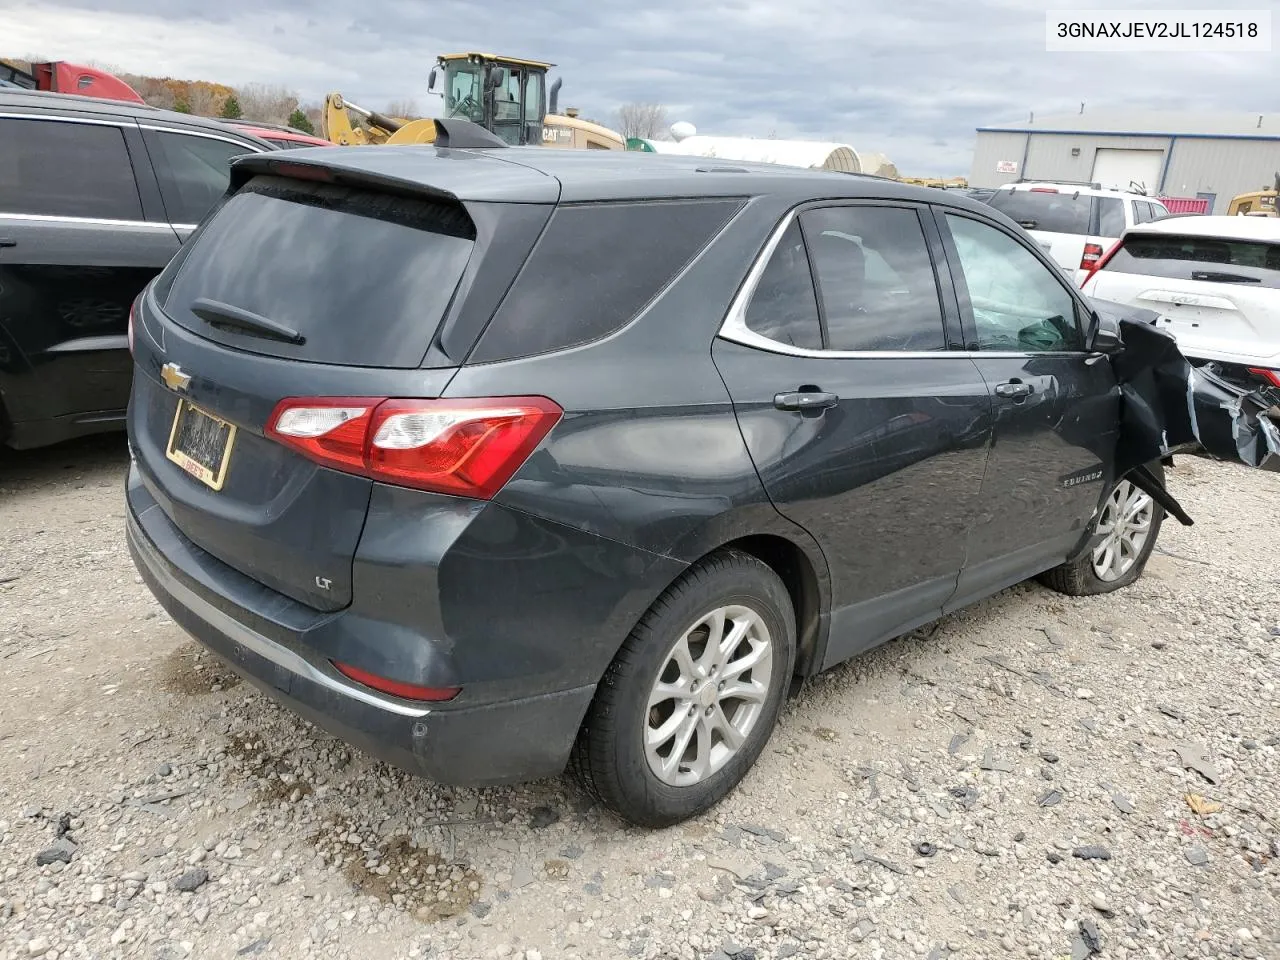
(1111, 216)
(595, 267)
(365, 277)
(1044, 209)
(193, 172)
(1247, 263)
(55, 168)
(784, 305)
(875, 279)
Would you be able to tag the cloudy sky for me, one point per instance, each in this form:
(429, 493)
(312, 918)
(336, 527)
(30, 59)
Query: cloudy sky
(909, 79)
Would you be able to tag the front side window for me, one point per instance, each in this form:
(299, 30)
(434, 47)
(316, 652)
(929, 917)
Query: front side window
(1018, 303)
(875, 279)
(194, 173)
(54, 168)
(783, 306)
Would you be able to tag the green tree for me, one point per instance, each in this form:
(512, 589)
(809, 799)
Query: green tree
(231, 108)
(182, 106)
(298, 120)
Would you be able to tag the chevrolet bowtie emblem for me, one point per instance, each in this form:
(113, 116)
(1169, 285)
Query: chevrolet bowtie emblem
(173, 377)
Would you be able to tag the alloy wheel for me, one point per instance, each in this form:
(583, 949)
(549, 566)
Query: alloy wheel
(708, 695)
(1125, 525)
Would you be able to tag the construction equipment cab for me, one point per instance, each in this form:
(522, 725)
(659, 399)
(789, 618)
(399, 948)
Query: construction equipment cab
(1260, 204)
(508, 97)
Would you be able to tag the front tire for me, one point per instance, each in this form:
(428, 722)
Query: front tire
(693, 696)
(1128, 523)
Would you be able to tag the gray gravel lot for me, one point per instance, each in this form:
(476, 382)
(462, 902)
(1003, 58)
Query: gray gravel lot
(1038, 776)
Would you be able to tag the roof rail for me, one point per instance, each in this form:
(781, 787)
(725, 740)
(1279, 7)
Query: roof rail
(1092, 184)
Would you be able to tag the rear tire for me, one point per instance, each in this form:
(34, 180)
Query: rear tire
(677, 722)
(1130, 521)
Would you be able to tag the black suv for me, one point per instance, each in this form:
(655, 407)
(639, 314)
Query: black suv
(492, 459)
(95, 198)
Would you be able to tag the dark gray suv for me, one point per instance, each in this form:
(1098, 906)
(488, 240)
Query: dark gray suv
(488, 460)
(95, 198)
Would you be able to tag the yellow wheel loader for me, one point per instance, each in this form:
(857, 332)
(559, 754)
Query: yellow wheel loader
(1260, 204)
(508, 96)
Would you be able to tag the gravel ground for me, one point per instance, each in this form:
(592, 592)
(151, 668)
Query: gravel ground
(1038, 776)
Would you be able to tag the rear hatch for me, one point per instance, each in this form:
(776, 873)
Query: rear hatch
(292, 289)
(1220, 298)
(1059, 221)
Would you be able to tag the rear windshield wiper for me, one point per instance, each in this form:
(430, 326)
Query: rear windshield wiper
(1222, 277)
(225, 316)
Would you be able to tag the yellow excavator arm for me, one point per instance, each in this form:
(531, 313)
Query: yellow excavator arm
(376, 128)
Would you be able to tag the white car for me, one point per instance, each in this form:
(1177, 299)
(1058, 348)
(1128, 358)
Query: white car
(1074, 222)
(1213, 281)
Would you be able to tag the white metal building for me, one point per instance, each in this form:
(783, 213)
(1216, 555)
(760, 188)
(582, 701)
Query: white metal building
(1209, 155)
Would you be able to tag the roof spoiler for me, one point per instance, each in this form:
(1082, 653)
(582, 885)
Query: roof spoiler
(465, 135)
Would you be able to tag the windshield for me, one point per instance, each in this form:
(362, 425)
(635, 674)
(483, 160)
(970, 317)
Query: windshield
(463, 92)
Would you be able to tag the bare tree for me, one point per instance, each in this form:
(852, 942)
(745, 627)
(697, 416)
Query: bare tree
(645, 120)
(267, 103)
(406, 109)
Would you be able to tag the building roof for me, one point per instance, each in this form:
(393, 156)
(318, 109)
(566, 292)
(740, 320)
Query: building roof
(1224, 228)
(1163, 123)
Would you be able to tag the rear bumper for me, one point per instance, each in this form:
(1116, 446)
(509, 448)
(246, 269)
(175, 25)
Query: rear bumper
(497, 742)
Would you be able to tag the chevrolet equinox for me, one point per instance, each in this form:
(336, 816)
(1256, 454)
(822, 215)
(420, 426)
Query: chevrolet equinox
(500, 461)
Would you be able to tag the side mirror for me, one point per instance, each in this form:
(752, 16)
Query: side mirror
(431, 79)
(1103, 335)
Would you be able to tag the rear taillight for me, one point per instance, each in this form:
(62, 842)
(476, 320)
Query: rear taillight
(1271, 376)
(1092, 254)
(1099, 262)
(397, 688)
(469, 448)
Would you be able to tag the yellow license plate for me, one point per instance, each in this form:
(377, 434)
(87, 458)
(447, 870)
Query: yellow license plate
(200, 444)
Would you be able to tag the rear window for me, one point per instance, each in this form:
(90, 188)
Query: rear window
(1209, 259)
(1050, 212)
(365, 278)
(595, 267)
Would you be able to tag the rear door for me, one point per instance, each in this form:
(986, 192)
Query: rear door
(1219, 297)
(1056, 408)
(291, 290)
(866, 429)
(77, 245)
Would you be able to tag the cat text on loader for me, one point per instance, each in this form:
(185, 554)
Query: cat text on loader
(508, 97)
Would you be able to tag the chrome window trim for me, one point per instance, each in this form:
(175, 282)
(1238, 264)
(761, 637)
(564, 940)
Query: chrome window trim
(734, 326)
(84, 221)
(187, 132)
(120, 123)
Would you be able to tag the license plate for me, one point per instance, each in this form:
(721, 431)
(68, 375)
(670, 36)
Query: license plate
(200, 444)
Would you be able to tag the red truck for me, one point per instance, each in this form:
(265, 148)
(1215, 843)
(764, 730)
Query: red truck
(59, 76)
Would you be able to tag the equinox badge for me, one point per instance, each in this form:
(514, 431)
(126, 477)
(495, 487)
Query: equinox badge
(173, 377)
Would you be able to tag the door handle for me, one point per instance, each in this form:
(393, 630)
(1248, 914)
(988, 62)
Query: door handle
(805, 400)
(4, 242)
(1014, 389)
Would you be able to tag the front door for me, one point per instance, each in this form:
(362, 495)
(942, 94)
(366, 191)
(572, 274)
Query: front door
(865, 428)
(1056, 407)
